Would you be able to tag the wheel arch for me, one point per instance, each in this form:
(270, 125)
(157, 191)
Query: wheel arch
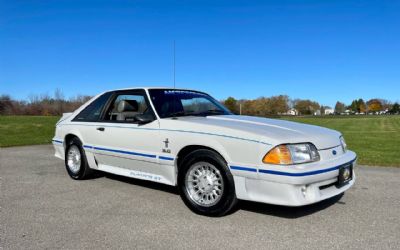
(183, 152)
(68, 137)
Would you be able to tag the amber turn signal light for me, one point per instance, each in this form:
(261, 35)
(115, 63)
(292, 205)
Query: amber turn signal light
(278, 155)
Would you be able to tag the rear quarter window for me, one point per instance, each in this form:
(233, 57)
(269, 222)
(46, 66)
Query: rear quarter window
(94, 110)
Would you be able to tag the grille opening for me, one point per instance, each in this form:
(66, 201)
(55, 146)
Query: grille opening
(327, 186)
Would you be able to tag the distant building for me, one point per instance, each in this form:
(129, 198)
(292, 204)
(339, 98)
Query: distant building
(348, 112)
(329, 111)
(292, 111)
(383, 112)
(317, 112)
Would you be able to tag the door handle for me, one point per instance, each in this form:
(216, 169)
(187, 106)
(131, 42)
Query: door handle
(100, 129)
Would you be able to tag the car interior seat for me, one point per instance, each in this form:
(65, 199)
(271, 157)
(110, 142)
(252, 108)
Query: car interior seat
(127, 110)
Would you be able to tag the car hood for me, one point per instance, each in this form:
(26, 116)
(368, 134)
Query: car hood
(272, 131)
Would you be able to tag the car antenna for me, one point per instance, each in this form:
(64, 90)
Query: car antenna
(174, 70)
(174, 66)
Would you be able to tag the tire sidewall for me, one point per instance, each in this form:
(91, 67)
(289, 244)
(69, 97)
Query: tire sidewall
(81, 173)
(228, 198)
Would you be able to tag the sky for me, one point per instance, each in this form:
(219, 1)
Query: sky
(326, 51)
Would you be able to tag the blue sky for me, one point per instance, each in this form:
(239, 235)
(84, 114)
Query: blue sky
(322, 50)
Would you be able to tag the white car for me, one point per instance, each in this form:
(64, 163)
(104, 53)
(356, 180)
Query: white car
(188, 139)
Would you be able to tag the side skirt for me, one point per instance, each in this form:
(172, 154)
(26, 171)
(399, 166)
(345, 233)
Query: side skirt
(133, 174)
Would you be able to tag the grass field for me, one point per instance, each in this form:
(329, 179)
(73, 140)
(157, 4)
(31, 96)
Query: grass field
(376, 139)
(26, 130)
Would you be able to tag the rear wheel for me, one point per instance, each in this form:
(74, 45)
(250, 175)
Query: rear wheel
(206, 184)
(75, 160)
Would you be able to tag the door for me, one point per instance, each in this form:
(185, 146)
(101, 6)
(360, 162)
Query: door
(124, 146)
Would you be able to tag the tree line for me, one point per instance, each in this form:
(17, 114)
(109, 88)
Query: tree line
(374, 106)
(43, 104)
(57, 104)
(283, 105)
(274, 105)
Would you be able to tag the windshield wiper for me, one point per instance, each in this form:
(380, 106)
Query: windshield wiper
(180, 113)
(211, 112)
(192, 113)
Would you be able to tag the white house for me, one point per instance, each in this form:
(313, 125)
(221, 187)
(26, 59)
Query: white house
(329, 111)
(292, 111)
(347, 112)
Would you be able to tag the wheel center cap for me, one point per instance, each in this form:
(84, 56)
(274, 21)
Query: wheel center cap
(206, 183)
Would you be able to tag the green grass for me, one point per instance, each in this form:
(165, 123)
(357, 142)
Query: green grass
(26, 130)
(375, 139)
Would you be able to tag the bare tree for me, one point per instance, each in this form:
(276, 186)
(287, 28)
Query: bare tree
(59, 101)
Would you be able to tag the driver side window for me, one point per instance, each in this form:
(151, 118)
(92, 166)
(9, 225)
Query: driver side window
(125, 107)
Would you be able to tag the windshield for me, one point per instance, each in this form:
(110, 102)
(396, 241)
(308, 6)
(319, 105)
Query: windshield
(175, 102)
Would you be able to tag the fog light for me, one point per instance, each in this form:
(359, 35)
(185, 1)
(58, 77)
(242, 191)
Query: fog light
(346, 174)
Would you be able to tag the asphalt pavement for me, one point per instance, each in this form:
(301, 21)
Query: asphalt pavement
(42, 208)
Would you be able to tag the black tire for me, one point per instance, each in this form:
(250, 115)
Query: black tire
(84, 171)
(228, 198)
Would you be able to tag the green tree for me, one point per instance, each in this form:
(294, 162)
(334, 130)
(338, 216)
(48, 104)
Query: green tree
(395, 109)
(340, 107)
(231, 104)
(354, 106)
(361, 106)
(279, 104)
(306, 107)
(6, 105)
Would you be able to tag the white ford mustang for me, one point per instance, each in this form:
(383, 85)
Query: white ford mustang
(187, 138)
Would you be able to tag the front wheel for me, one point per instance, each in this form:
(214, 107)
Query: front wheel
(206, 184)
(75, 160)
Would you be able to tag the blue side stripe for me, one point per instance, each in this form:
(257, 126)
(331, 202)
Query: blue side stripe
(264, 171)
(243, 168)
(128, 152)
(57, 141)
(298, 174)
(124, 152)
(166, 158)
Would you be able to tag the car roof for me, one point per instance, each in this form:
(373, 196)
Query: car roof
(148, 88)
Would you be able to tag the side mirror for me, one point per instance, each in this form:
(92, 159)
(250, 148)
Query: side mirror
(144, 118)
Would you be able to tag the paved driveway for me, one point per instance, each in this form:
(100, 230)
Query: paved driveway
(41, 207)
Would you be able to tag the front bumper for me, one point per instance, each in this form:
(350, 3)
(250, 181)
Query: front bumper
(295, 186)
(58, 148)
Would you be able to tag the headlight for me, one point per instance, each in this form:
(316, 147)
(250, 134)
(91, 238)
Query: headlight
(343, 143)
(286, 154)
